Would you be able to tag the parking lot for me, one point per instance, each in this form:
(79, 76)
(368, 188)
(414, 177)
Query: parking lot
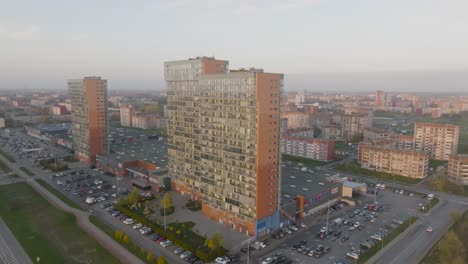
(351, 233)
(29, 149)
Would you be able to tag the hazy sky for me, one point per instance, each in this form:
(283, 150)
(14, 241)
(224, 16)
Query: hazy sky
(45, 42)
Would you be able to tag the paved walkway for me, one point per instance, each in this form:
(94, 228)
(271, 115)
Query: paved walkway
(82, 218)
(11, 252)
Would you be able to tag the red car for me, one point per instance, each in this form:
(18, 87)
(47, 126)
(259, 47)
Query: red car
(160, 240)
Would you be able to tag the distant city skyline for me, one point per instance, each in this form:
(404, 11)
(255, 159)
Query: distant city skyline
(362, 45)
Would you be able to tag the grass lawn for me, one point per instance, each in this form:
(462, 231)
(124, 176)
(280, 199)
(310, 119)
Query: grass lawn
(303, 160)
(14, 175)
(341, 145)
(130, 246)
(7, 156)
(392, 235)
(356, 169)
(4, 167)
(436, 163)
(463, 144)
(27, 171)
(57, 193)
(46, 232)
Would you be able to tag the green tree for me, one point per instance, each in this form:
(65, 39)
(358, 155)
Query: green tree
(455, 215)
(218, 240)
(118, 235)
(210, 244)
(162, 260)
(122, 201)
(450, 247)
(133, 196)
(149, 257)
(166, 201)
(125, 239)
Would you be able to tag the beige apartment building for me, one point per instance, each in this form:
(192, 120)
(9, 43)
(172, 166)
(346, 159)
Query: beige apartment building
(458, 169)
(89, 116)
(126, 115)
(297, 119)
(223, 141)
(353, 125)
(440, 140)
(413, 164)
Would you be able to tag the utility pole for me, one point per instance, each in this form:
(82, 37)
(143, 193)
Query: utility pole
(328, 212)
(248, 252)
(164, 203)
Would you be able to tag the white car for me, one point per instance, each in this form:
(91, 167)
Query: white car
(324, 229)
(59, 182)
(114, 186)
(137, 226)
(186, 254)
(221, 260)
(429, 229)
(166, 243)
(268, 260)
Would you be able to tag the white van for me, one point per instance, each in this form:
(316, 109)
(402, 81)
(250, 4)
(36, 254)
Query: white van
(352, 255)
(338, 221)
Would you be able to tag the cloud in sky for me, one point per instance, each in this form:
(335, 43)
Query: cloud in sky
(20, 32)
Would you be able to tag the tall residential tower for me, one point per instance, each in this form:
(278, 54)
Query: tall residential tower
(89, 113)
(223, 141)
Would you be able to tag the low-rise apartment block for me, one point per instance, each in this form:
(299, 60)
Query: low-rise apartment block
(458, 169)
(317, 149)
(382, 157)
(297, 120)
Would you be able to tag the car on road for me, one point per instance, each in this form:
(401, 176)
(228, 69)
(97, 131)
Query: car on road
(129, 221)
(166, 243)
(178, 250)
(225, 260)
(186, 255)
(429, 229)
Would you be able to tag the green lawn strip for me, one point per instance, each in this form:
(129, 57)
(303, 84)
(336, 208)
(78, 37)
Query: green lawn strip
(46, 232)
(27, 171)
(304, 160)
(341, 145)
(7, 156)
(4, 167)
(14, 175)
(436, 163)
(57, 193)
(114, 234)
(429, 206)
(355, 168)
(386, 240)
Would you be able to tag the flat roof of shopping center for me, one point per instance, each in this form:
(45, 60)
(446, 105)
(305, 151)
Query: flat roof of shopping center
(296, 182)
(151, 150)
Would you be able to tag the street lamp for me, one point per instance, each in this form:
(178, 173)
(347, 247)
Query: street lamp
(248, 252)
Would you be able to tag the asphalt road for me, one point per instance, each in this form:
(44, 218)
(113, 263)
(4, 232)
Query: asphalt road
(414, 245)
